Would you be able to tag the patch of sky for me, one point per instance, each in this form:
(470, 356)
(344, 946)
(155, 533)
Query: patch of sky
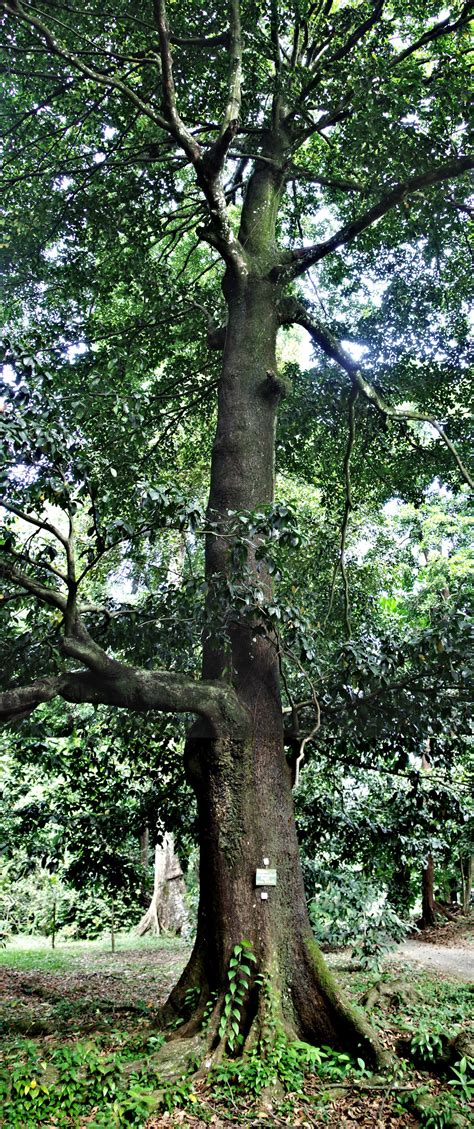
(392, 507)
(359, 551)
(121, 584)
(52, 254)
(63, 183)
(8, 374)
(78, 350)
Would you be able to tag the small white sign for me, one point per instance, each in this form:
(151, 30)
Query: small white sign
(265, 877)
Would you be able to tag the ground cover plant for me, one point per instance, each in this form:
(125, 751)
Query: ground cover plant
(96, 1060)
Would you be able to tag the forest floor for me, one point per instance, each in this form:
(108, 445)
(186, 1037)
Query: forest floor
(75, 1021)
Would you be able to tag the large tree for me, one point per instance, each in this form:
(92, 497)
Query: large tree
(144, 154)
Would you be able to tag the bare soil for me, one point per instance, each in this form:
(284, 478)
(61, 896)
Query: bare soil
(447, 948)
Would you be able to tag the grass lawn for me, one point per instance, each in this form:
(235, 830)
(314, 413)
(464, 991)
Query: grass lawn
(35, 953)
(80, 1041)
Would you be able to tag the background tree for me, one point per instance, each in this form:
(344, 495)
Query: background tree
(76, 793)
(249, 150)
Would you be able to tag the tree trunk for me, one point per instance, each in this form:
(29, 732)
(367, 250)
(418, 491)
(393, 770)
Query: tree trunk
(243, 785)
(428, 913)
(144, 847)
(467, 873)
(166, 909)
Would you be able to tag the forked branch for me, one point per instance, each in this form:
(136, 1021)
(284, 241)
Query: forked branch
(207, 163)
(174, 123)
(102, 78)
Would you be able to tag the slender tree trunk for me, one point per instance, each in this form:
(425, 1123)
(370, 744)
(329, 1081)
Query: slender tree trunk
(399, 889)
(467, 874)
(243, 786)
(144, 847)
(53, 925)
(428, 913)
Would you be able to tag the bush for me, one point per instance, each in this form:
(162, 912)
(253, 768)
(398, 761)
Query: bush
(39, 901)
(348, 910)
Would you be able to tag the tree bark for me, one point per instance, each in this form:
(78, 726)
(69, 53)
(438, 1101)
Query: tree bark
(235, 751)
(399, 889)
(144, 847)
(467, 873)
(242, 782)
(428, 913)
(166, 910)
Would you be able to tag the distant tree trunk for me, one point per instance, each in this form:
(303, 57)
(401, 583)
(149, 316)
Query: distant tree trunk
(454, 887)
(144, 847)
(428, 914)
(53, 925)
(166, 909)
(467, 874)
(144, 864)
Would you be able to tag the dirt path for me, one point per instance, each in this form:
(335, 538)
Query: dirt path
(458, 961)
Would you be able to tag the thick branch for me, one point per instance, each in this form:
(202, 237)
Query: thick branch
(18, 703)
(444, 27)
(174, 121)
(50, 596)
(298, 261)
(219, 40)
(133, 689)
(294, 312)
(232, 109)
(77, 643)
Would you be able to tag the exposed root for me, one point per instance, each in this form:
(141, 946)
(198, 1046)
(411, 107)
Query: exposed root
(398, 989)
(344, 1026)
(188, 997)
(255, 1012)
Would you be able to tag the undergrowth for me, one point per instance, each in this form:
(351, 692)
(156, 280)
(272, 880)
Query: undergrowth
(111, 1078)
(42, 1085)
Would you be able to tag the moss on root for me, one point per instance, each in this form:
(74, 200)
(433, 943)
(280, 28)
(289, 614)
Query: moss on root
(358, 1036)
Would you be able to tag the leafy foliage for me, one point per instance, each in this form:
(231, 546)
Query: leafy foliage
(347, 910)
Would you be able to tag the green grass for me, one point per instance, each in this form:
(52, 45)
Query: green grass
(34, 954)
